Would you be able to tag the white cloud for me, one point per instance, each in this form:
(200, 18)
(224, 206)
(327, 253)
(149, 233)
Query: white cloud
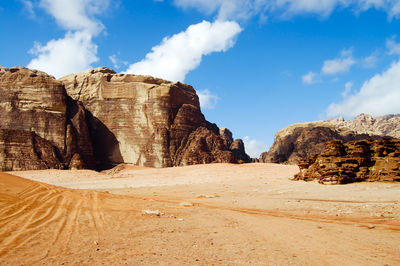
(392, 46)
(339, 65)
(244, 9)
(225, 9)
(309, 78)
(370, 61)
(296, 7)
(117, 63)
(347, 89)
(254, 147)
(207, 99)
(73, 53)
(183, 52)
(378, 96)
(76, 51)
(76, 15)
(28, 7)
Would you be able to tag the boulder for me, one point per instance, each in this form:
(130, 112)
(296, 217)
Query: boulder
(355, 161)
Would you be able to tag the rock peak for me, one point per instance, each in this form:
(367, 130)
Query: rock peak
(103, 69)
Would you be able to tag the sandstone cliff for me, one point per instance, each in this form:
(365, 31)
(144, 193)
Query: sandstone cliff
(100, 118)
(298, 141)
(355, 161)
(145, 121)
(36, 106)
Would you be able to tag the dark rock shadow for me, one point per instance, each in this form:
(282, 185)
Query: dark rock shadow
(105, 145)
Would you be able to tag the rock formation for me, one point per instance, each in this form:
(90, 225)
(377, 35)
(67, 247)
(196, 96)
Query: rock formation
(238, 150)
(298, 141)
(36, 106)
(24, 150)
(145, 121)
(100, 119)
(354, 161)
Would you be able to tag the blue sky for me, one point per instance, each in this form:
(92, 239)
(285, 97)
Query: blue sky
(258, 65)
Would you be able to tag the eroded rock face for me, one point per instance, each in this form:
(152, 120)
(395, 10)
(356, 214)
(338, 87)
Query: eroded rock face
(145, 121)
(298, 141)
(204, 146)
(226, 136)
(238, 150)
(23, 150)
(355, 161)
(32, 101)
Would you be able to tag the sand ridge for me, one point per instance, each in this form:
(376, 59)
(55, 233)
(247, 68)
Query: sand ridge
(239, 214)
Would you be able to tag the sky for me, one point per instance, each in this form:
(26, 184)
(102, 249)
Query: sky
(257, 65)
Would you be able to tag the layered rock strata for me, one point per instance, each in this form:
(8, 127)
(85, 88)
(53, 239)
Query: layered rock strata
(24, 150)
(356, 161)
(100, 119)
(298, 141)
(32, 102)
(145, 121)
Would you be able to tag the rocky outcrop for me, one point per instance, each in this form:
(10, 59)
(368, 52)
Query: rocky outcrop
(23, 150)
(226, 136)
(145, 121)
(32, 101)
(388, 125)
(100, 119)
(238, 150)
(203, 146)
(356, 161)
(298, 141)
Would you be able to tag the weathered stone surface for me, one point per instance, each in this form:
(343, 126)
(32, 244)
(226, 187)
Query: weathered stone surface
(32, 101)
(144, 121)
(298, 141)
(203, 146)
(355, 161)
(108, 119)
(226, 136)
(238, 150)
(22, 150)
(388, 125)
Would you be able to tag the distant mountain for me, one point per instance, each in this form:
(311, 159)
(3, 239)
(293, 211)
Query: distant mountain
(298, 141)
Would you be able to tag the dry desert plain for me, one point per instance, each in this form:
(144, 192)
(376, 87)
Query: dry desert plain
(195, 215)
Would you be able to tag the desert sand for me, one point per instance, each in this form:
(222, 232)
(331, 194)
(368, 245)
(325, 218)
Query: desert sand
(195, 215)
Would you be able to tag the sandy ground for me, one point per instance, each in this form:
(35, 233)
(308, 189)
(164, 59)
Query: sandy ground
(196, 215)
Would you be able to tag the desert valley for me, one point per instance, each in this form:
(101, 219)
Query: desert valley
(200, 132)
(107, 168)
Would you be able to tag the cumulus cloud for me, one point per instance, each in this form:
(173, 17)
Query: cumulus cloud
(76, 51)
(339, 65)
(207, 99)
(76, 15)
(378, 96)
(254, 147)
(73, 53)
(183, 52)
(244, 9)
(309, 78)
